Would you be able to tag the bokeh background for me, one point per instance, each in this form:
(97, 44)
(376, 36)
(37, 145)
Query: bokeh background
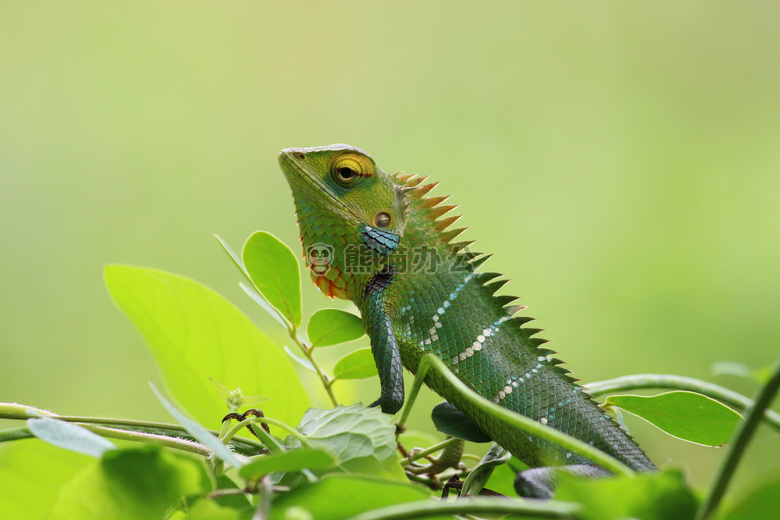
(621, 159)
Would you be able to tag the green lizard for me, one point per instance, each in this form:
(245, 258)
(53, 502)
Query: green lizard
(382, 242)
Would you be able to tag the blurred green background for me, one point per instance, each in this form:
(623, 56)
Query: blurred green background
(621, 159)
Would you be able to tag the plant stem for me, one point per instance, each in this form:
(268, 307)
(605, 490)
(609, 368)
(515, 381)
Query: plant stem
(429, 450)
(498, 506)
(156, 429)
(327, 382)
(266, 420)
(716, 392)
(150, 438)
(741, 440)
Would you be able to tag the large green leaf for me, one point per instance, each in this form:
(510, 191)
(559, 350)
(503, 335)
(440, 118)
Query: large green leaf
(130, 484)
(363, 439)
(657, 496)
(358, 364)
(331, 326)
(194, 333)
(31, 475)
(687, 415)
(275, 272)
(341, 496)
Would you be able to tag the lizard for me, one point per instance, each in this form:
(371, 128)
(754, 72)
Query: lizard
(381, 241)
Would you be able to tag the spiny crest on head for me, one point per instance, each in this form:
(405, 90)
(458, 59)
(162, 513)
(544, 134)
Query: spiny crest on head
(415, 191)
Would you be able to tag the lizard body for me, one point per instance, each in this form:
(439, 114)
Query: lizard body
(419, 291)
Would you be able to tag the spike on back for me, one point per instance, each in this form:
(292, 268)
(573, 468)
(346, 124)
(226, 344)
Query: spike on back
(432, 202)
(421, 191)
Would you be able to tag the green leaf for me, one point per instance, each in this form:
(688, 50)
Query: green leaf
(453, 422)
(759, 503)
(130, 484)
(358, 364)
(294, 460)
(687, 415)
(331, 326)
(337, 497)
(200, 433)
(659, 496)
(193, 333)
(69, 436)
(275, 272)
(31, 475)
(362, 439)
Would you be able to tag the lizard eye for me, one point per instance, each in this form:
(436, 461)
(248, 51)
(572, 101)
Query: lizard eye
(382, 220)
(345, 174)
(348, 168)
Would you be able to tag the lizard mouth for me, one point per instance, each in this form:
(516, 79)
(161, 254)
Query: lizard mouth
(296, 172)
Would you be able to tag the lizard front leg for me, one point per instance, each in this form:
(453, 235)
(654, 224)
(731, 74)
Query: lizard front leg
(379, 327)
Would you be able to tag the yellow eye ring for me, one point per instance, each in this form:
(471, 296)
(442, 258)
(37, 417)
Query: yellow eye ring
(347, 168)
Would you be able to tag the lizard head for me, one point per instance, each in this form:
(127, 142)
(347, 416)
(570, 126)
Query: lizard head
(342, 200)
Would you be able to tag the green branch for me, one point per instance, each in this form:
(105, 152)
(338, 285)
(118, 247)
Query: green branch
(141, 431)
(430, 450)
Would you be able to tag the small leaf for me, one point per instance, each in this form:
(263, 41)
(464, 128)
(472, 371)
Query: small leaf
(200, 433)
(452, 421)
(362, 439)
(294, 460)
(69, 436)
(332, 326)
(687, 415)
(358, 364)
(274, 271)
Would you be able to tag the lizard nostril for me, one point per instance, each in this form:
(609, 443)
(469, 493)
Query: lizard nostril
(302, 156)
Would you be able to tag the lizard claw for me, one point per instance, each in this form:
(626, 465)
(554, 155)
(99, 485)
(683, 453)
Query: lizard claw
(389, 406)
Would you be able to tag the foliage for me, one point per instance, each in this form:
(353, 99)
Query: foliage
(310, 463)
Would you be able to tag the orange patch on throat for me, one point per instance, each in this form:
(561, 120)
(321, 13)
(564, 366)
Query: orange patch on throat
(331, 288)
